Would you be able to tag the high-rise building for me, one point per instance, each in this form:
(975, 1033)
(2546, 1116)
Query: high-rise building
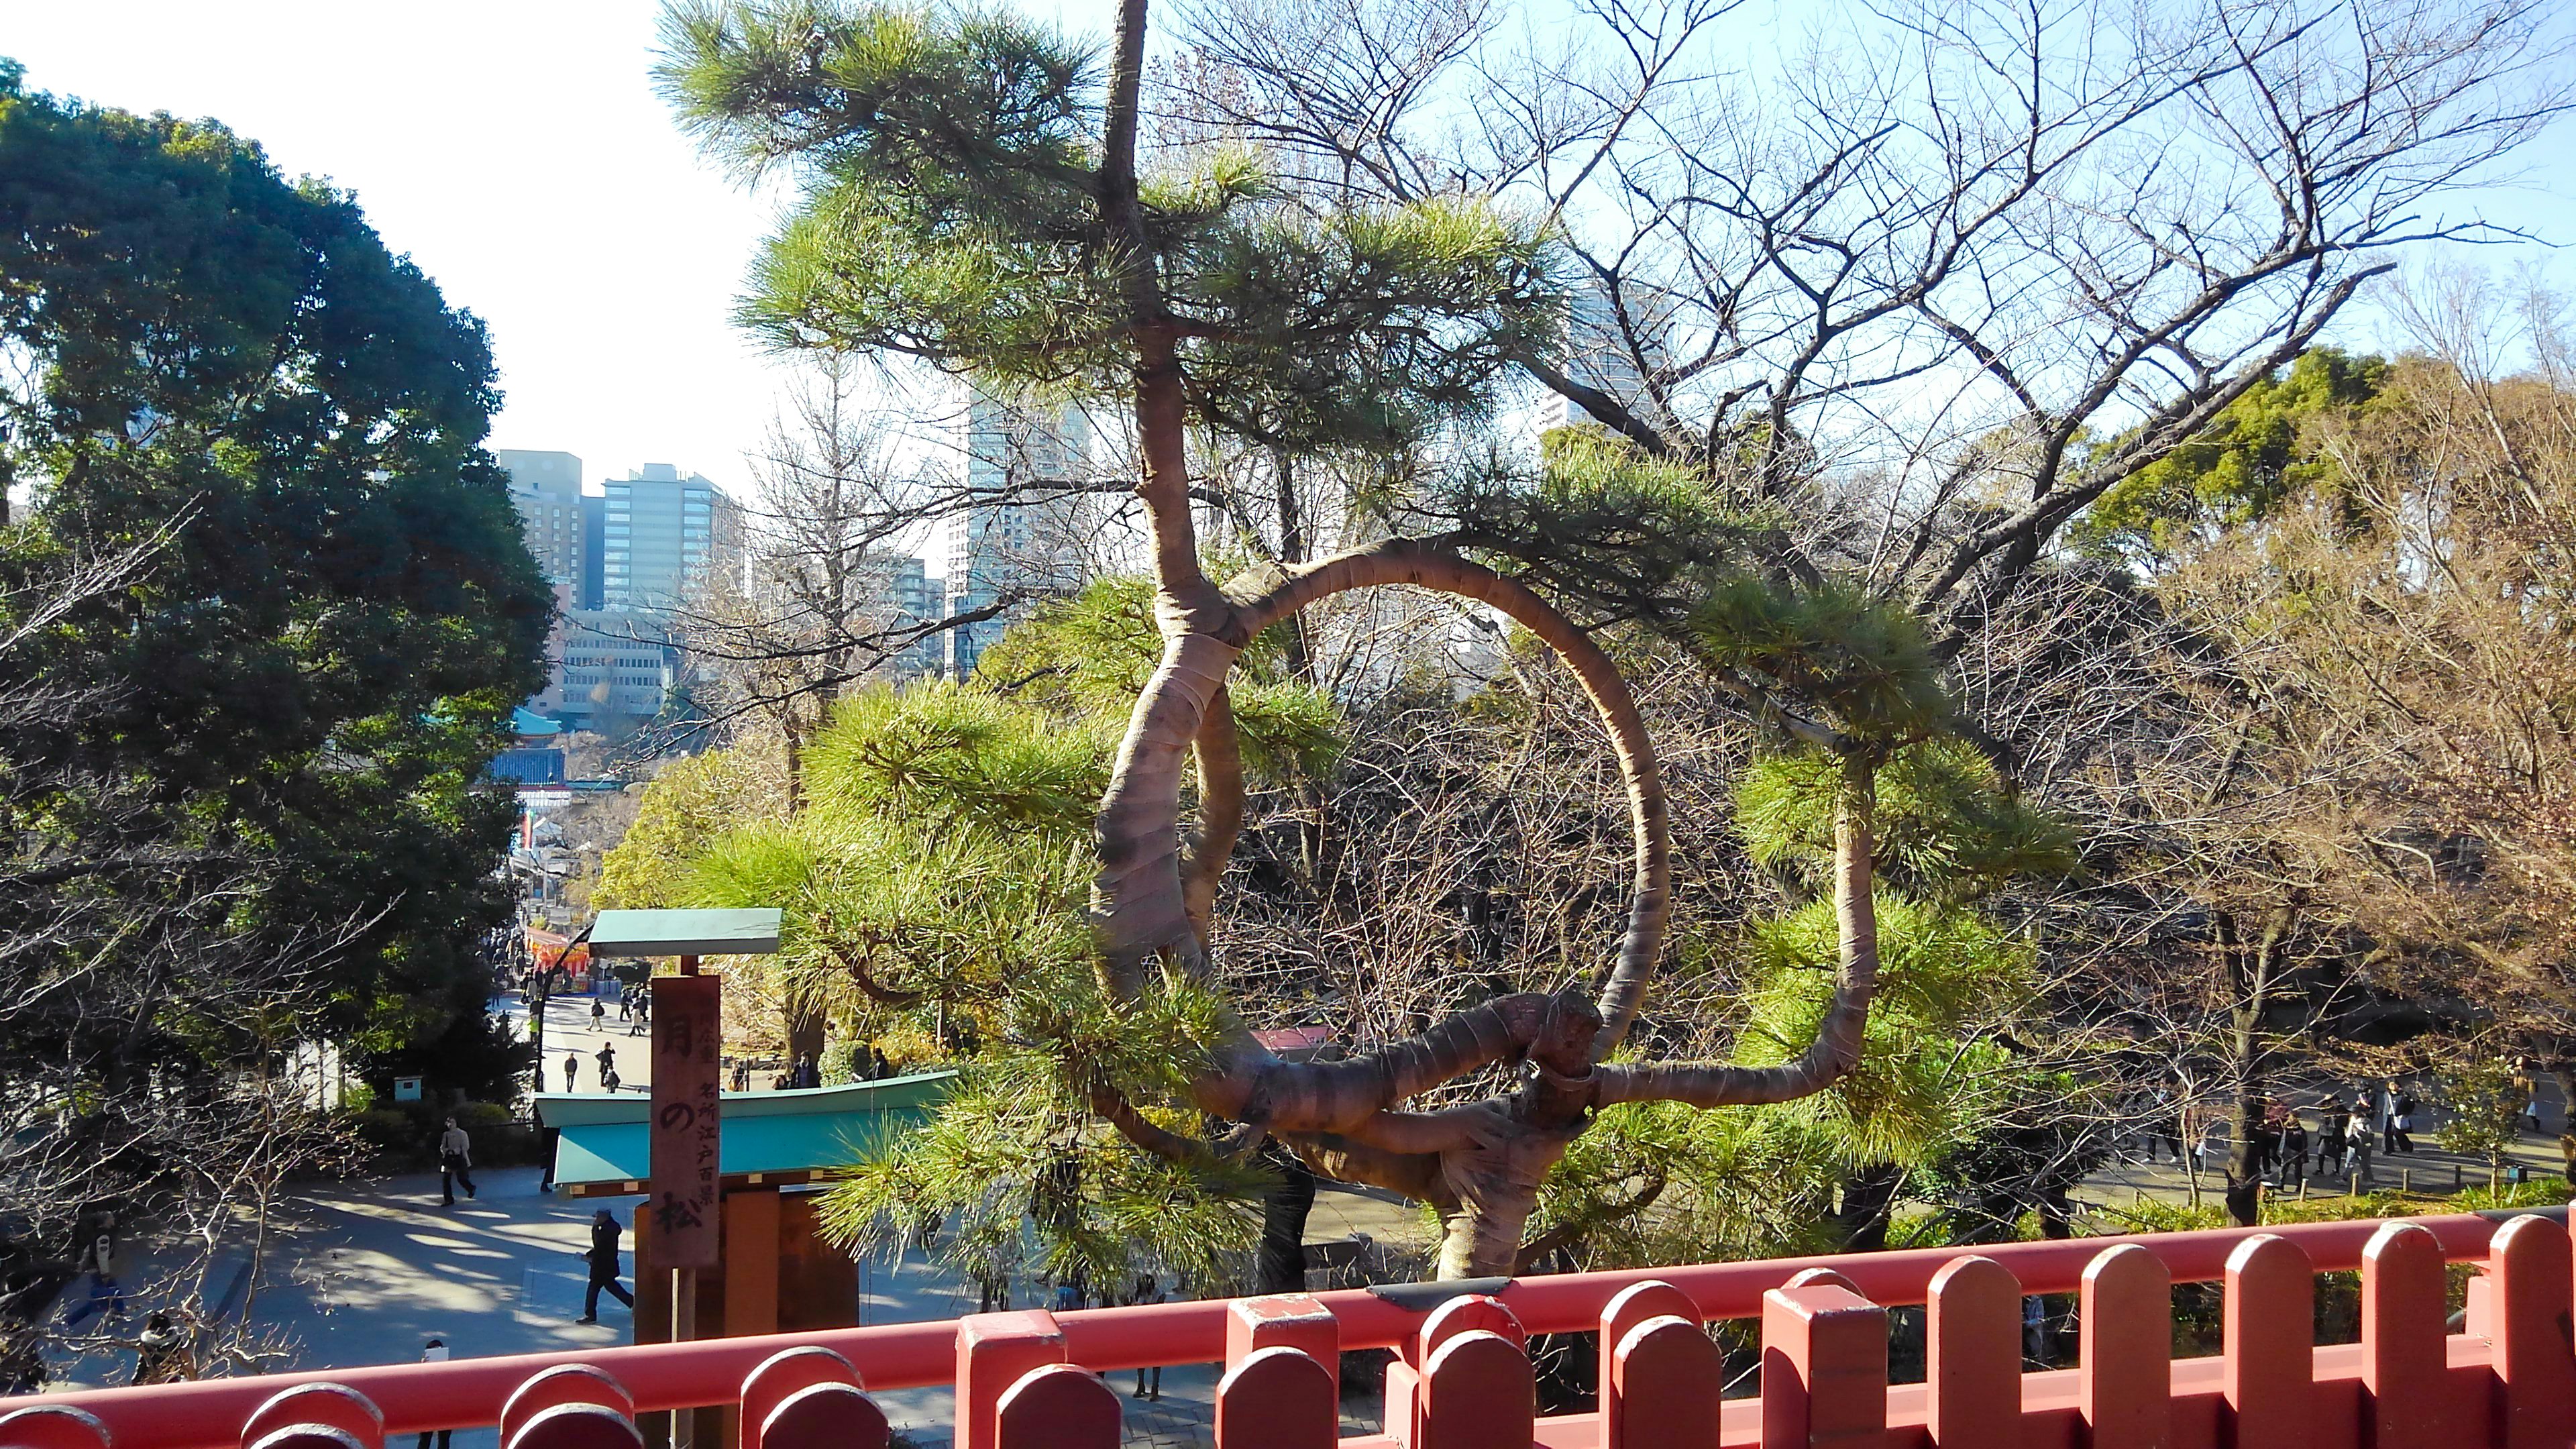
(660, 533)
(594, 550)
(546, 489)
(616, 670)
(1007, 546)
(920, 597)
(1597, 355)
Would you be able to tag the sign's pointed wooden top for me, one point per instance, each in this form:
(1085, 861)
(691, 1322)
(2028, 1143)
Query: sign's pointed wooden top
(752, 932)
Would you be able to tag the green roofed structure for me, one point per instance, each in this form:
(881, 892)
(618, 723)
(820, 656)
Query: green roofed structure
(771, 1139)
(752, 932)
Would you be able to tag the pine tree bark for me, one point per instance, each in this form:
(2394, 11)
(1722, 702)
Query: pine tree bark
(1153, 895)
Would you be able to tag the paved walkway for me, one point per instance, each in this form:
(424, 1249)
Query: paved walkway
(569, 1029)
(383, 1268)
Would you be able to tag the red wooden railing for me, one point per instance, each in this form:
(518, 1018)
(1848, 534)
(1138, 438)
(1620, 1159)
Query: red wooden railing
(1462, 1379)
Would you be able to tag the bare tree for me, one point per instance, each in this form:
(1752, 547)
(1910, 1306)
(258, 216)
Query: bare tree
(146, 1031)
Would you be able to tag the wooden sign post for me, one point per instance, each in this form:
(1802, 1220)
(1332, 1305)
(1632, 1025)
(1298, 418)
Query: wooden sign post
(685, 1198)
(686, 1133)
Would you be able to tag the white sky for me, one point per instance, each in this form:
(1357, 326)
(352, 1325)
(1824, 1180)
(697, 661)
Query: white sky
(515, 150)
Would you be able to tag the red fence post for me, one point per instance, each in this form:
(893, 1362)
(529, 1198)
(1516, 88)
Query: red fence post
(2125, 1367)
(560, 1385)
(1824, 1369)
(568, 1383)
(307, 1436)
(1477, 1393)
(1972, 1362)
(1059, 1406)
(994, 1351)
(576, 1426)
(780, 1377)
(329, 1405)
(53, 1426)
(1285, 1320)
(809, 1398)
(2403, 1366)
(1277, 1398)
(2270, 1344)
(1665, 1387)
(1629, 1307)
(2533, 1359)
(1407, 1378)
(820, 1416)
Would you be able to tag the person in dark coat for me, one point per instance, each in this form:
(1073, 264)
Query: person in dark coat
(602, 1258)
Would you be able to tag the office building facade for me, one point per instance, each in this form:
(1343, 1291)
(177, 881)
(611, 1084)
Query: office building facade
(1006, 547)
(1597, 355)
(546, 489)
(661, 533)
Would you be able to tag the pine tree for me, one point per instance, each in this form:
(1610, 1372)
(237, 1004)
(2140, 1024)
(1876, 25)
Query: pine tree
(980, 193)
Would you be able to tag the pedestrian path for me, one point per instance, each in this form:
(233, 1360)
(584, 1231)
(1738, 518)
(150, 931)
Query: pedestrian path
(570, 1029)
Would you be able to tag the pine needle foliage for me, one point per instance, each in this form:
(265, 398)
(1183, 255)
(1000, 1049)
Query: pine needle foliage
(936, 874)
(1090, 655)
(1024, 1185)
(1727, 1186)
(1923, 1079)
(1861, 661)
(1633, 535)
(1948, 829)
(948, 160)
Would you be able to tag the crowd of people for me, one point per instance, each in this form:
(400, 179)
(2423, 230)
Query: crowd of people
(2331, 1139)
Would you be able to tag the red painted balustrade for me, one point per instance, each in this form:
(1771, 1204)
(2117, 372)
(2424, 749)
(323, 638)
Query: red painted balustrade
(1462, 1378)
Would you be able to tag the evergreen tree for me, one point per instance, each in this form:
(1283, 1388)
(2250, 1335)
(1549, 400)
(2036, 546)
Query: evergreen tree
(230, 371)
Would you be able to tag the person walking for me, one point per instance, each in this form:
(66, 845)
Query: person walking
(2166, 1126)
(434, 1352)
(609, 1081)
(2357, 1139)
(2332, 1125)
(98, 1259)
(625, 1007)
(607, 1066)
(161, 1354)
(1148, 1291)
(2403, 1123)
(572, 1068)
(598, 1015)
(2294, 1152)
(455, 1163)
(602, 1258)
(2388, 1116)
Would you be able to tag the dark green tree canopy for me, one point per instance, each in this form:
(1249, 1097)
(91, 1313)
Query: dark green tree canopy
(318, 665)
